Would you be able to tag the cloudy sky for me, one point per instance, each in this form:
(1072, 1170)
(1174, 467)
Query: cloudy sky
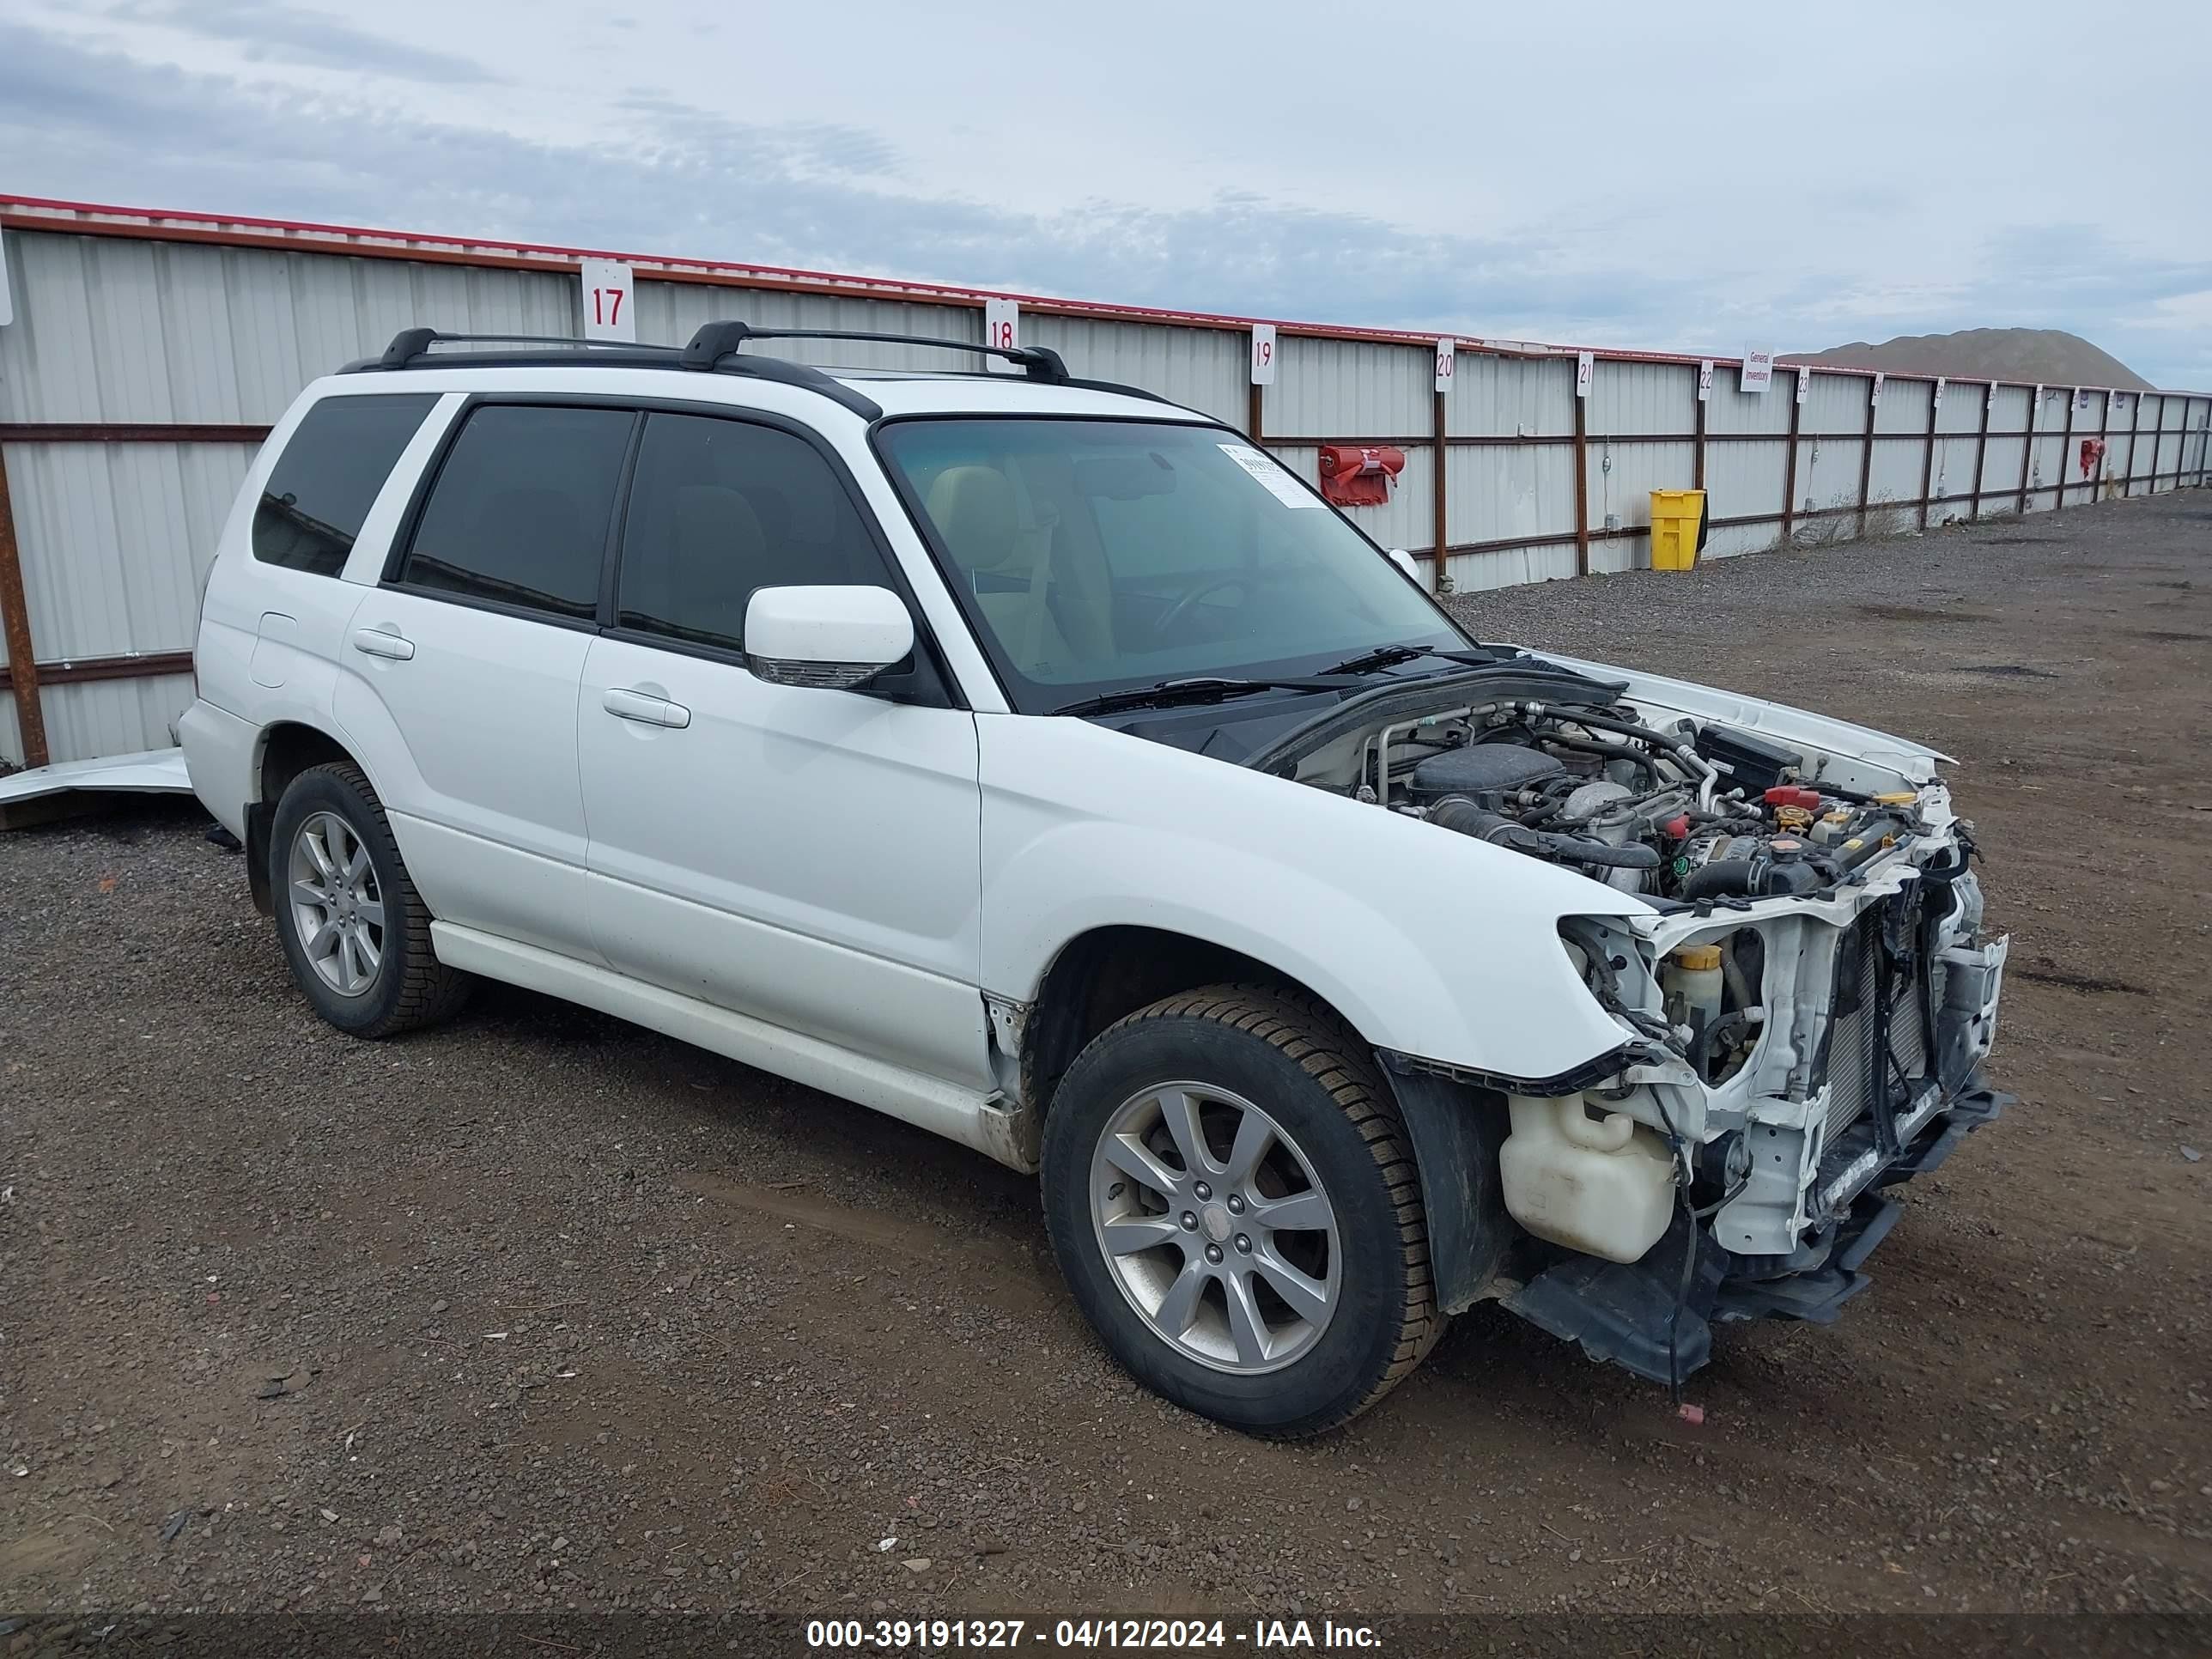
(1687, 177)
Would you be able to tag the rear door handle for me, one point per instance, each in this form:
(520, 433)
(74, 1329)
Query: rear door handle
(647, 710)
(384, 642)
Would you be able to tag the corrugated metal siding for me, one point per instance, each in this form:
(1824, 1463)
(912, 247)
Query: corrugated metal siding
(1509, 567)
(1656, 397)
(1730, 540)
(116, 329)
(1731, 408)
(1745, 477)
(115, 538)
(1491, 492)
(110, 330)
(1828, 472)
(1962, 408)
(1534, 397)
(1201, 368)
(1953, 476)
(87, 719)
(1328, 389)
(1902, 410)
(1622, 477)
(1837, 402)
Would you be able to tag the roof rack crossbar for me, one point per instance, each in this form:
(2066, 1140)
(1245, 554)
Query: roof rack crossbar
(715, 341)
(411, 343)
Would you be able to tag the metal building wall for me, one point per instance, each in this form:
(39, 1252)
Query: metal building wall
(150, 355)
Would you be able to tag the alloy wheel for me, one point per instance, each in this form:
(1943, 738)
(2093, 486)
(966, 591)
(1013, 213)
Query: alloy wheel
(1216, 1227)
(337, 909)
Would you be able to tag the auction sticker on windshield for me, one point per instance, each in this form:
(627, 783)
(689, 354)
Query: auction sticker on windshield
(1269, 472)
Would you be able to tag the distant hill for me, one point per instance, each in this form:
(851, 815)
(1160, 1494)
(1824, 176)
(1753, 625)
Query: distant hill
(2049, 355)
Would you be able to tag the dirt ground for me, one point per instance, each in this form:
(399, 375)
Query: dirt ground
(538, 1311)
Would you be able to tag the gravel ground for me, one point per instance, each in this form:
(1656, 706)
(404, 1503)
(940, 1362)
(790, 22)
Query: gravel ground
(541, 1311)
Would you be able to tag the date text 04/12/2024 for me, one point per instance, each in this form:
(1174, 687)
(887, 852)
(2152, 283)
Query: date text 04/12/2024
(895, 1635)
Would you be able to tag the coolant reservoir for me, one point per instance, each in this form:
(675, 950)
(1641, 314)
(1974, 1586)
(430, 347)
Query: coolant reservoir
(1603, 1187)
(1691, 979)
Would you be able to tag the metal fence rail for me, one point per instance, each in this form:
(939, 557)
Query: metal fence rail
(150, 353)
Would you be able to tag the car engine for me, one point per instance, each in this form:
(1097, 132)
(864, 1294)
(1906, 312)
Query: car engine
(1688, 814)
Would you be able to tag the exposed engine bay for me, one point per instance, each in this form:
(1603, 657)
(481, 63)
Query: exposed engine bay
(1685, 814)
(1804, 1005)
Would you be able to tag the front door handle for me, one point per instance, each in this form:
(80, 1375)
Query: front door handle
(645, 708)
(384, 642)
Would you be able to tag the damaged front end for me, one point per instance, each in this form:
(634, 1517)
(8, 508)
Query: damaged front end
(1803, 1006)
(1851, 1033)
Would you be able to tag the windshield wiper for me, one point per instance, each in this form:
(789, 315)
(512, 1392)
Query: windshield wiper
(1390, 656)
(1196, 689)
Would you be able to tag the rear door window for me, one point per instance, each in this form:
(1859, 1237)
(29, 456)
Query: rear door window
(319, 492)
(720, 508)
(522, 508)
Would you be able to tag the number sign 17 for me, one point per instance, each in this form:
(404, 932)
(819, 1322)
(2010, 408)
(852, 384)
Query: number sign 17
(609, 311)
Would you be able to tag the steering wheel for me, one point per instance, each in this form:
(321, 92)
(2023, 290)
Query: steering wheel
(1175, 612)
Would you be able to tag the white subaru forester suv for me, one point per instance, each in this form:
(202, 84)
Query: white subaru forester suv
(1043, 764)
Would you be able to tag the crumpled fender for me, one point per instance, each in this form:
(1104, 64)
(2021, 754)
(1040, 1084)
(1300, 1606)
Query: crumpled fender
(1429, 942)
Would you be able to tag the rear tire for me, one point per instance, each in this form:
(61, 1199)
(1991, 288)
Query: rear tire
(1233, 1199)
(354, 929)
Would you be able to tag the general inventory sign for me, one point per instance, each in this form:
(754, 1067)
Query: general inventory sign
(1758, 372)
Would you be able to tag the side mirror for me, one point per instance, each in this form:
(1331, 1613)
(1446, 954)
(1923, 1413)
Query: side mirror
(1404, 561)
(834, 637)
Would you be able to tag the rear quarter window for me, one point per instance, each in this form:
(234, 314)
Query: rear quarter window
(323, 485)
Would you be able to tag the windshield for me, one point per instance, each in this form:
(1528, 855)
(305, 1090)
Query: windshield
(1098, 555)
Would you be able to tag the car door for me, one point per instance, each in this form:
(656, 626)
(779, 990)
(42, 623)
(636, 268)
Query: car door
(463, 666)
(804, 855)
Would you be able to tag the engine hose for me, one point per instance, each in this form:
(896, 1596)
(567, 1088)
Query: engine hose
(1723, 878)
(1579, 849)
(1459, 813)
(1610, 750)
(1728, 1029)
(1690, 759)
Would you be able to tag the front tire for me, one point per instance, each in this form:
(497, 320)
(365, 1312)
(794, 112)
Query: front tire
(354, 929)
(1229, 1192)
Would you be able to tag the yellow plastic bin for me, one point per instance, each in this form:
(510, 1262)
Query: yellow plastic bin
(1675, 516)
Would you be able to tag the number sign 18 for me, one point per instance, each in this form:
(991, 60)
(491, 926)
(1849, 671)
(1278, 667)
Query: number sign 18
(1002, 331)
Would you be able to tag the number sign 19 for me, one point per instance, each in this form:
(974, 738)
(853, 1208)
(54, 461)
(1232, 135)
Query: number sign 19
(609, 312)
(1263, 353)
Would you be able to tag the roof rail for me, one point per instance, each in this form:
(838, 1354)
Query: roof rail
(715, 347)
(715, 341)
(411, 343)
(410, 348)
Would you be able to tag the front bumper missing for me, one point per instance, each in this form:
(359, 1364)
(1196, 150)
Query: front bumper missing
(1636, 1314)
